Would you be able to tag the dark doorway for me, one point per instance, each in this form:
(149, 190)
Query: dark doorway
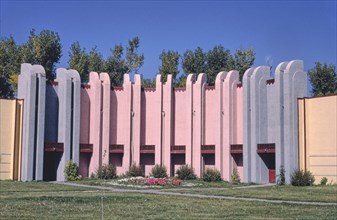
(50, 165)
(176, 159)
(269, 161)
(146, 159)
(116, 159)
(85, 159)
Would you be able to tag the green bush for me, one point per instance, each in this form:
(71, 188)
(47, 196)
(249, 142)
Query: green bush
(186, 172)
(302, 178)
(106, 171)
(134, 171)
(159, 171)
(324, 181)
(211, 175)
(71, 171)
(281, 180)
(235, 177)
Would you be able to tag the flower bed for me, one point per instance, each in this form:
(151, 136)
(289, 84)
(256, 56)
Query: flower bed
(150, 181)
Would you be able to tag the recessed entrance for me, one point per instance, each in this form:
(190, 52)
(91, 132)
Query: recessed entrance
(178, 153)
(53, 153)
(267, 154)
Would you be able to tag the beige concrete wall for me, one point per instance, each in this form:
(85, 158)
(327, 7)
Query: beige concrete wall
(10, 138)
(318, 136)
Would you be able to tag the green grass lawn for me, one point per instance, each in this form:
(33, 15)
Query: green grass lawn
(39, 200)
(312, 193)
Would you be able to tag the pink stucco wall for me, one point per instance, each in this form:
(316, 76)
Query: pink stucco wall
(179, 112)
(210, 116)
(120, 127)
(164, 117)
(150, 120)
(85, 116)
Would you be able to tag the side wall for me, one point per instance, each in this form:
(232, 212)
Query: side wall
(318, 136)
(11, 111)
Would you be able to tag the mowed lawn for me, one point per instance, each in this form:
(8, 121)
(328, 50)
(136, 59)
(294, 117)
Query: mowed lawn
(40, 200)
(292, 193)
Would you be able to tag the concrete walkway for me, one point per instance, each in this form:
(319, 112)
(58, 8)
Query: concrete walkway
(158, 192)
(254, 186)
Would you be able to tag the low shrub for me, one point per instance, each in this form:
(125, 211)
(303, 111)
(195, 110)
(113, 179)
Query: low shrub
(211, 175)
(324, 181)
(302, 178)
(106, 171)
(186, 172)
(71, 171)
(235, 177)
(281, 180)
(134, 171)
(159, 171)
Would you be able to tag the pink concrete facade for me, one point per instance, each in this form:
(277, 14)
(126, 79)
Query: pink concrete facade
(196, 125)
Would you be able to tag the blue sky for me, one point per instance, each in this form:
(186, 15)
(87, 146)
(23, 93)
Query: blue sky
(279, 30)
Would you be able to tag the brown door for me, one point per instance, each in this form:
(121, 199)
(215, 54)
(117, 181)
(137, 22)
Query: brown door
(271, 175)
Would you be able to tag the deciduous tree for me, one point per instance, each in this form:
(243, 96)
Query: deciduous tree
(243, 60)
(169, 64)
(323, 79)
(133, 60)
(9, 66)
(218, 59)
(115, 65)
(44, 49)
(79, 60)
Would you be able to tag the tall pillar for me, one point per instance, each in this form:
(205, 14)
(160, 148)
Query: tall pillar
(95, 121)
(231, 81)
(105, 116)
(279, 116)
(136, 109)
(219, 83)
(128, 124)
(189, 118)
(64, 118)
(198, 108)
(32, 88)
(167, 123)
(247, 126)
(160, 118)
(295, 86)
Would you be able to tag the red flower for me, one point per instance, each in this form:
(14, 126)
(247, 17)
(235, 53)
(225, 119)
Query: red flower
(176, 181)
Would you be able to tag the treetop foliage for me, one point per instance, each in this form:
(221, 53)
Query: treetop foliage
(44, 48)
(116, 64)
(323, 79)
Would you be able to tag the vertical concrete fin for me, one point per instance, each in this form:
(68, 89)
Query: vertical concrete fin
(191, 78)
(279, 116)
(26, 91)
(136, 118)
(198, 123)
(231, 79)
(258, 119)
(105, 116)
(95, 120)
(41, 74)
(76, 80)
(247, 149)
(219, 81)
(127, 133)
(64, 118)
(167, 115)
(295, 86)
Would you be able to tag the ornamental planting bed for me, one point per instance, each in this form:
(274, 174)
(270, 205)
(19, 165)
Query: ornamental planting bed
(145, 182)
